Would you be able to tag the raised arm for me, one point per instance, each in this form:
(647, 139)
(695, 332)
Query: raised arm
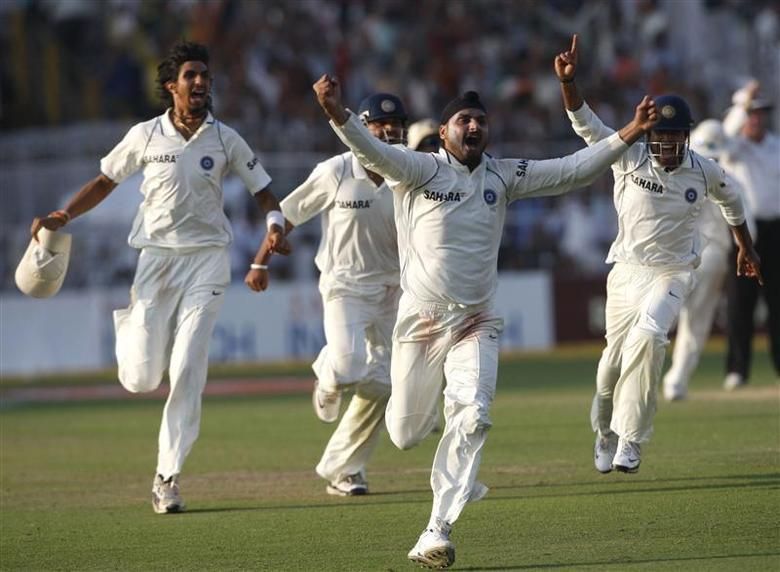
(557, 176)
(586, 124)
(737, 114)
(566, 70)
(395, 164)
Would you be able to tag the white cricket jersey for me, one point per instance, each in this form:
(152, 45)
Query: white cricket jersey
(450, 220)
(182, 184)
(359, 245)
(755, 165)
(658, 209)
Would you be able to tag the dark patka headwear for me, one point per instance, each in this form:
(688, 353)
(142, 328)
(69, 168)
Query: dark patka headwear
(469, 100)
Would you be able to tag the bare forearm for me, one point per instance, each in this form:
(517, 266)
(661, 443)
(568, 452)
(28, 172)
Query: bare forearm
(266, 201)
(265, 252)
(572, 99)
(90, 195)
(337, 113)
(742, 236)
(631, 133)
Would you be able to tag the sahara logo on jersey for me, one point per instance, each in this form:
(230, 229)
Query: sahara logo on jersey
(160, 158)
(353, 204)
(648, 185)
(441, 197)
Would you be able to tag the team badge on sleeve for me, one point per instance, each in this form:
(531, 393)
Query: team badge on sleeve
(690, 195)
(490, 196)
(207, 163)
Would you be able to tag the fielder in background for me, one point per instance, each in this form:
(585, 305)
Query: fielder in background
(449, 210)
(753, 159)
(183, 234)
(358, 263)
(660, 189)
(698, 311)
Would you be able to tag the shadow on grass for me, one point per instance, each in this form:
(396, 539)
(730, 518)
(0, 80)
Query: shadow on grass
(625, 562)
(375, 499)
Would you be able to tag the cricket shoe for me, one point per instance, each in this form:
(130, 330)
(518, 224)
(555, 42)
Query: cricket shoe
(349, 486)
(604, 452)
(165, 495)
(434, 548)
(628, 457)
(327, 404)
(734, 381)
(675, 392)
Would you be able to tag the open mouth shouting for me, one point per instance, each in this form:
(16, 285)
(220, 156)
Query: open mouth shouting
(472, 141)
(198, 97)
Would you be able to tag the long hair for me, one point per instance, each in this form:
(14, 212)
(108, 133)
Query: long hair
(168, 69)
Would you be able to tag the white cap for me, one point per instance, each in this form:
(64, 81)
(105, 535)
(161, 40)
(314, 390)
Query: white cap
(43, 267)
(420, 130)
(709, 139)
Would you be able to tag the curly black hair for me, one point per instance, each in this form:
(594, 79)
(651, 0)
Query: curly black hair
(168, 69)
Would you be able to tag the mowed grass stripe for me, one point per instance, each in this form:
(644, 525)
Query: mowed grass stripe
(76, 481)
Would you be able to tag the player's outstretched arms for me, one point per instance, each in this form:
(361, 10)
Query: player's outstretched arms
(566, 70)
(85, 200)
(328, 92)
(645, 117)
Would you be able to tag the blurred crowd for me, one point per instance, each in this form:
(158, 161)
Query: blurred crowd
(77, 62)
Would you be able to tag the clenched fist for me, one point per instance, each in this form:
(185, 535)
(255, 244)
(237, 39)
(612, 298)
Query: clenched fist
(328, 92)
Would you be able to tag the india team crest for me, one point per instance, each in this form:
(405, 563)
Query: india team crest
(690, 195)
(490, 196)
(668, 111)
(207, 162)
(387, 105)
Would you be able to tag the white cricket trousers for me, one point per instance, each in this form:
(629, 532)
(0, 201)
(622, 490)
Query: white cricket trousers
(642, 304)
(459, 345)
(697, 314)
(358, 332)
(174, 304)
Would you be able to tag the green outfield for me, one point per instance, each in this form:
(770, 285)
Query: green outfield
(76, 480)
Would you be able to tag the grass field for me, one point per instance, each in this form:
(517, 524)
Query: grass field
(76, 480)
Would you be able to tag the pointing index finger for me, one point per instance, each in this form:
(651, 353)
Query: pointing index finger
(573, 48)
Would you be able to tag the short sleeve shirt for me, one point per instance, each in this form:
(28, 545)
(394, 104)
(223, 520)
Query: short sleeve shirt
(182, 181)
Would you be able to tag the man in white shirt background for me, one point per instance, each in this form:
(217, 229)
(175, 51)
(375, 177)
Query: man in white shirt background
(450, 209)
(753, 159)
(183, 235)
(660, 189)
(358, 263)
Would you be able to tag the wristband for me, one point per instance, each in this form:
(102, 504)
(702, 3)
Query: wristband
(570, 80)
(254, 266)
(63, 214)
(274, 217)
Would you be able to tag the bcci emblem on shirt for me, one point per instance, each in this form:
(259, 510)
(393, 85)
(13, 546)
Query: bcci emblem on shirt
(207, 163)
(490, 196)
(690, 195)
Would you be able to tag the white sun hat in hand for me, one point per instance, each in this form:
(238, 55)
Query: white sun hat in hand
(43, 267)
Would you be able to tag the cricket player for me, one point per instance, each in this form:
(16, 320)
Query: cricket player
(182, 234)
(660, 190)
(358, 262)
(450, 209)
(698, 311)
